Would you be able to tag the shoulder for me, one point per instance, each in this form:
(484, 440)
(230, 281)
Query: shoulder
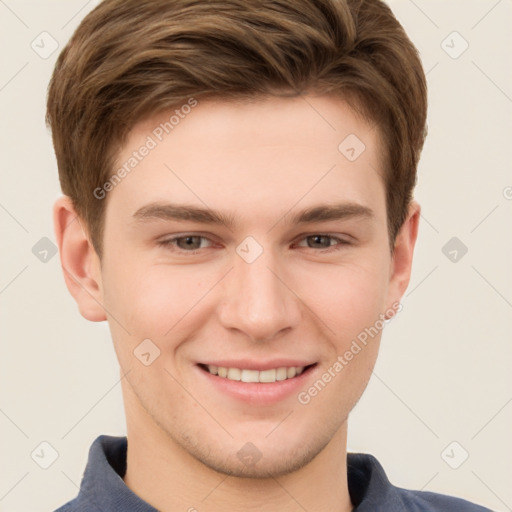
(371, 491)
(68, 507)
(72, 506)
(79, 505)
(423, 501)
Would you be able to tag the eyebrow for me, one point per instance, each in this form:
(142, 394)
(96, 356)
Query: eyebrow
(319, 213)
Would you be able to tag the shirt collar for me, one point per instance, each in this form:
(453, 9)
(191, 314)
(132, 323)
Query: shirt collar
(103, 485)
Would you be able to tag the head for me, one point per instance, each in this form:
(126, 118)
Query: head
(296, 128)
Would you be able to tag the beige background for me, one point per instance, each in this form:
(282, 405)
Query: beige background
(444, 369)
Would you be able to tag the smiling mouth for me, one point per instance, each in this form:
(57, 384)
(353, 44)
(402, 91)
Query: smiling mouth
(264, 376)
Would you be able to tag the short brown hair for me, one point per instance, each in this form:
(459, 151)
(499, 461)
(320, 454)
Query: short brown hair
(130, 59)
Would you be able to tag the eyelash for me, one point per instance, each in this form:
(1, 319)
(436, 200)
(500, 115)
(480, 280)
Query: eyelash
(170, 242)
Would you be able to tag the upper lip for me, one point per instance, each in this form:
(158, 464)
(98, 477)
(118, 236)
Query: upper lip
(251, 364)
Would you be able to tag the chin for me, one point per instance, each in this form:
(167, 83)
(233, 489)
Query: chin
(261, 466)
(257, 459)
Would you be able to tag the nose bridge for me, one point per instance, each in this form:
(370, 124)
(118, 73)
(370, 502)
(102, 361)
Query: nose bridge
(256, 300)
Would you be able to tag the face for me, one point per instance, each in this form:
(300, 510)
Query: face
(283, 263)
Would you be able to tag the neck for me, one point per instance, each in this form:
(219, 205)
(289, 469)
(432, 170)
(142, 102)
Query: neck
(167, 477)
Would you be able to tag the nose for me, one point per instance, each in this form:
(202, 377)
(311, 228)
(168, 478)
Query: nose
(258, 298)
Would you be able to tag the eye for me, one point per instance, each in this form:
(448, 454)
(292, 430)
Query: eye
(321, 241)
(186, 243)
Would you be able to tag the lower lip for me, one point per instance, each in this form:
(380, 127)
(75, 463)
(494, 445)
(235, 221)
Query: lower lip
(258, 393)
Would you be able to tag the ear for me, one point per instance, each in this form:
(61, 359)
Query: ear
(401, 261)
(80, 263)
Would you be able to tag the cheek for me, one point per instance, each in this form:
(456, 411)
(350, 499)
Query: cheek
(145, 306)
(162, 304)
(347, 297)
(155, 301)
(351, 310)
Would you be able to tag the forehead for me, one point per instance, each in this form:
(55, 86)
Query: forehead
(305, 120)
(241, 154)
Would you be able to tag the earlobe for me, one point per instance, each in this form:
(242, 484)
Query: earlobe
(80, 263)
(401, 261)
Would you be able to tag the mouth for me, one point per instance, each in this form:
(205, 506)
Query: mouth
(250, 375)
(257, 383)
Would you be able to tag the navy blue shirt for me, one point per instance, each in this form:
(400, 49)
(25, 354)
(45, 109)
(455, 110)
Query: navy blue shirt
(103, 489)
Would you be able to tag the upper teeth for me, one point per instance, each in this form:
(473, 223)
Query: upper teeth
(244, 375)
